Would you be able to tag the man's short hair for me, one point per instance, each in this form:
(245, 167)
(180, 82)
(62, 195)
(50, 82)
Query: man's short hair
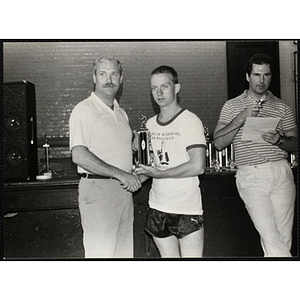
(107, 57)
(259, 59)
(166, 70)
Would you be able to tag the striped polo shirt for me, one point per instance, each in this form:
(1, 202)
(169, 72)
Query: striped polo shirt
(248, 152)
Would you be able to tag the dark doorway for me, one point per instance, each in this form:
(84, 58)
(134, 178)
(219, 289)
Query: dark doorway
(238, 54)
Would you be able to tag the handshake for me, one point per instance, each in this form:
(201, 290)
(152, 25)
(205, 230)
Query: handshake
(130, 181)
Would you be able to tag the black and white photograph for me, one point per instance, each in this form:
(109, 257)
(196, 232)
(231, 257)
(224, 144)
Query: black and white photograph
(131, 160)
(146, 150)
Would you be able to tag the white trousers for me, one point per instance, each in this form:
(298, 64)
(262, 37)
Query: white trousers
(268, 191)
(106, 211)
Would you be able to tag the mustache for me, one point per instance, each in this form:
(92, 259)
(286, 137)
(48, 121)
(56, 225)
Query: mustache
(109, 85)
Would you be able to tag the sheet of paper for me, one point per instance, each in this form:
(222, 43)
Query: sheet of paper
(255, 126)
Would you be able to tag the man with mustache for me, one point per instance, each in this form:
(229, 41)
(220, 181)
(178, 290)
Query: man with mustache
(100, 141)
(264, 178)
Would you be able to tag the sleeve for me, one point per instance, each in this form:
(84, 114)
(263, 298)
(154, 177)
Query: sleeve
(80, 125)
(226, 114)
(195, 133)
(288, 121)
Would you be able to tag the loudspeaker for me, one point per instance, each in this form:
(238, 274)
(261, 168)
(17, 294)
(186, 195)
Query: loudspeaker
(19, 131)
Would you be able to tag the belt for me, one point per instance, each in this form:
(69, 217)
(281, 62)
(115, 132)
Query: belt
(91, 176)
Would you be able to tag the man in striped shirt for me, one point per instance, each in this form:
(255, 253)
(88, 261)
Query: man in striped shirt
(264, 178)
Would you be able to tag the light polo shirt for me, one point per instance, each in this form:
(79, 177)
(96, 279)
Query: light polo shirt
(105, 132)
(170, 143)
(247, 152)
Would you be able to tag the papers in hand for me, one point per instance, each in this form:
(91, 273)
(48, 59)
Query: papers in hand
(255, 126)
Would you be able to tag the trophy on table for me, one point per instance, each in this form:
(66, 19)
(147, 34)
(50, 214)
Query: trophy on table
(143, 153)
(47, 174)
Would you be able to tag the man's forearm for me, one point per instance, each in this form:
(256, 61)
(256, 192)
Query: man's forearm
(224, 136)
(90, 162)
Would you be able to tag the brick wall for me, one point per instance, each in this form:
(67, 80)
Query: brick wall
(62, 74)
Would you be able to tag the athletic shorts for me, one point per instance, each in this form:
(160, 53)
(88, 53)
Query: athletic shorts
(161, 224)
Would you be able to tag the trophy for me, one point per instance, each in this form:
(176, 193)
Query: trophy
(48, 172)
(143, 152)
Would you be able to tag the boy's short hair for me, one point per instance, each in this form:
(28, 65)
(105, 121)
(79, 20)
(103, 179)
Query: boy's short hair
(166, 70)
